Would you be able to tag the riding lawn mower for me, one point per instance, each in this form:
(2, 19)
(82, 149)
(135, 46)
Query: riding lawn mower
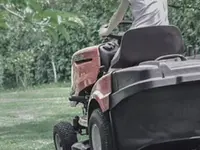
(147, 97)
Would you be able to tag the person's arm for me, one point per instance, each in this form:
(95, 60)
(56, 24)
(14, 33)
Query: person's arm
(118, 15)
(115, 19)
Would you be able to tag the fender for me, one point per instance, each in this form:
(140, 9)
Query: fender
(101, 92)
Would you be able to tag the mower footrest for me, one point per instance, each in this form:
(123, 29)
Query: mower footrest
(81, 145)
(83, 121)
(79, 99)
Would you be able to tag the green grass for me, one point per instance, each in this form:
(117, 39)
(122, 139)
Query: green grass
(27, 117)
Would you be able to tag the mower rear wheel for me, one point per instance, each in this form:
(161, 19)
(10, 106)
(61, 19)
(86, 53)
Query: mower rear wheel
(64, 136)
(100, 131)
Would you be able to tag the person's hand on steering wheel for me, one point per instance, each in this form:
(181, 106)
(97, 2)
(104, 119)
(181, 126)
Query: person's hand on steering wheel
(103, 32)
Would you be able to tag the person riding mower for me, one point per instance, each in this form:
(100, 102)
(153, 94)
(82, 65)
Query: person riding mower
(144, 12)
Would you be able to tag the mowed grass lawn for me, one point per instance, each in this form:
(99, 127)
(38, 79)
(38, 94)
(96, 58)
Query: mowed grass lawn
(27, 117)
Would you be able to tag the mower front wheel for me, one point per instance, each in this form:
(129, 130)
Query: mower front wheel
(64, 136)
(100, 131)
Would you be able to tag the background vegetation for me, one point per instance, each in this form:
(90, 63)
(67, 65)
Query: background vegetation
(38, 37)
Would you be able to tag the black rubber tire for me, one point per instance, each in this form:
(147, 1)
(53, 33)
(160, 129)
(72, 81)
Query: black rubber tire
(102, 122)
(67, 135)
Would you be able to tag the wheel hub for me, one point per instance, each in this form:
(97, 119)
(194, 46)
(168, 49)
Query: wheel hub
(58, 142)
(96, 138)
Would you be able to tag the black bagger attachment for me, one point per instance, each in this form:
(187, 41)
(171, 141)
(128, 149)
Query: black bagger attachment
(157, 105)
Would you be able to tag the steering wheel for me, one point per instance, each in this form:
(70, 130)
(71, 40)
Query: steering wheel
(114, 36)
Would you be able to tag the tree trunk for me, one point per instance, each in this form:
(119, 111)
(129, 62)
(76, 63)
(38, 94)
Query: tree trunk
(23, 83)
(54, 70)
(1, 71)
(17, 77)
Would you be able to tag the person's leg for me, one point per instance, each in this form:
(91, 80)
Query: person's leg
(107, 52)
(110, 46)
(114, 59)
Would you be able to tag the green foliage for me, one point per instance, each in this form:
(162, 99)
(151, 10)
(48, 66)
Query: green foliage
(35, 12)
(20, 63)
(1, 71)
(186, 16)
(38, 38)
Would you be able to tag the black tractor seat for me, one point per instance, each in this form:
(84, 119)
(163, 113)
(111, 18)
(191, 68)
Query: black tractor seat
(148, 43)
